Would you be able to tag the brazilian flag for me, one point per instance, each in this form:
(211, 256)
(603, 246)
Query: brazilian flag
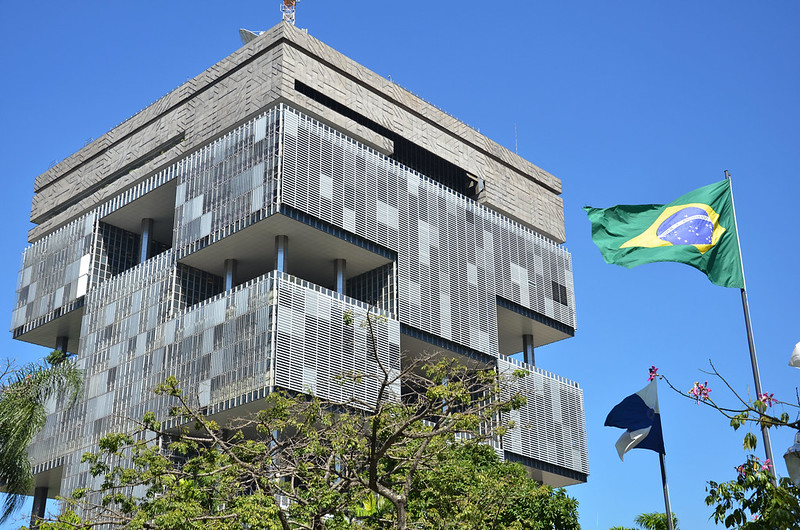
(697, 229)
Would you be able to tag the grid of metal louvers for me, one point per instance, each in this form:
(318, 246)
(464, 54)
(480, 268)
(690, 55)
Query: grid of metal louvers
(550, 427)
(322, 335)
(54, 274)
(455, 257)
(161, 318)
(228, 185)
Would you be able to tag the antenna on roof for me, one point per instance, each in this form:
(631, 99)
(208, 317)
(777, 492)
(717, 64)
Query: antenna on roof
(516, 145)
(287, 8)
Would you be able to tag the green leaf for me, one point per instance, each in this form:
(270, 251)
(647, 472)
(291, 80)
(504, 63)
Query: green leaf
(750, 442)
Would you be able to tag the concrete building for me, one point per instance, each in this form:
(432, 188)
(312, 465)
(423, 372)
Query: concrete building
(221, 234)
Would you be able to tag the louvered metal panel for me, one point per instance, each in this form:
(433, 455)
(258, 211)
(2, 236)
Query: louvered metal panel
(54, 275)
(455, 257)
(160, 318)
(550, 428)
(321, 335)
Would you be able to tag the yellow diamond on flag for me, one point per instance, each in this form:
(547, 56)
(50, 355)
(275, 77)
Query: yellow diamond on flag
(694, 224)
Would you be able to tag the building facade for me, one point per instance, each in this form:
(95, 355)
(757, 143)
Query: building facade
(222, 234)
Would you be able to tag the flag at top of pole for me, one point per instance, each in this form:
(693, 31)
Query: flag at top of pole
(639, 415)
(697, 229)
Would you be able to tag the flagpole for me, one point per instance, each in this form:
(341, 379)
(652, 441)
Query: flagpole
(666, 491)
(750, 341)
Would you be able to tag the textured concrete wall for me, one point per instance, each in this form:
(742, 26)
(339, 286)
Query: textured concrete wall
(520, 198)
(257, 76)
(514, 186)
(201, 109)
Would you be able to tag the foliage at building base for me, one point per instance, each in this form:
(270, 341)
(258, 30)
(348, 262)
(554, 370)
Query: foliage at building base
(417, 461)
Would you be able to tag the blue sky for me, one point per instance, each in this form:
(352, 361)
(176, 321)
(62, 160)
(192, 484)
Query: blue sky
(625, 101)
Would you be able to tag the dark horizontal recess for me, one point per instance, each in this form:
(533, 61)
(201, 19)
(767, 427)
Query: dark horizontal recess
(445, 344)
(544, 466)
(533, 315)
(328, 228)
(405, 152)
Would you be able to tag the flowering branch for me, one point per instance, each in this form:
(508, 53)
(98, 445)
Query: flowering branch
(756, 499)
(752, 411)
(700, 391)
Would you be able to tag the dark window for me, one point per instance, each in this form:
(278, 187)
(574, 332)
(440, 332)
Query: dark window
(405, 152)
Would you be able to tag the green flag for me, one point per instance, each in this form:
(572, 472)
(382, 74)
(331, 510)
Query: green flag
(697, 229)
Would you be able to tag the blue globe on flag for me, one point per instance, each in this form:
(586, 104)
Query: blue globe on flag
(687, 226)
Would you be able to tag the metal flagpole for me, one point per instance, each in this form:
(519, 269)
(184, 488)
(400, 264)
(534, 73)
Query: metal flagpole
(666, 491)
(750, 341)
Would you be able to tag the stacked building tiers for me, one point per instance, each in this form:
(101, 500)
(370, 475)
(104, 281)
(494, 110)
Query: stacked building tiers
(222, 234)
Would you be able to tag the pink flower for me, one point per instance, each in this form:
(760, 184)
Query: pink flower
(740, 469)
(766, 465)
(767, 399)
(653, 372)
(699, 391)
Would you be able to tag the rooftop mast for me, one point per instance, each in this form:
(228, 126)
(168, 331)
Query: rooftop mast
(287, 8)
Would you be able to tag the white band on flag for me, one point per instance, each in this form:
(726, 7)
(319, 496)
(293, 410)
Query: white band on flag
(629, 440)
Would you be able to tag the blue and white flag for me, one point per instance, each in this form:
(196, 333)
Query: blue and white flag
(638, 414)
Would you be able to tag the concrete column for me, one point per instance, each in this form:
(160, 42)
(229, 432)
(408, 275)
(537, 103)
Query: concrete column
(230, 274)
(527, 350)
(39, 505)
(61, 344)
(147, 237)
(339, 270)
(281, 249)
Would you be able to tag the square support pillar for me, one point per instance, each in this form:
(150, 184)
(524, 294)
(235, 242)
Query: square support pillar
(39, 505)
(147, 237)
(281, 249)
(230, 274)
(527, 350)
(339, 271)
(62, 343)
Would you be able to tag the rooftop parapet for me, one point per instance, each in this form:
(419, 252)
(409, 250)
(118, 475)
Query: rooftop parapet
(267, 71)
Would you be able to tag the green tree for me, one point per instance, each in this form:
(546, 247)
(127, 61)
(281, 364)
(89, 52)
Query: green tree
(24, 395)
(753, 501)
(655, 521)
(363, 465)
(469, 487)
(306, 463)
(650, 521)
